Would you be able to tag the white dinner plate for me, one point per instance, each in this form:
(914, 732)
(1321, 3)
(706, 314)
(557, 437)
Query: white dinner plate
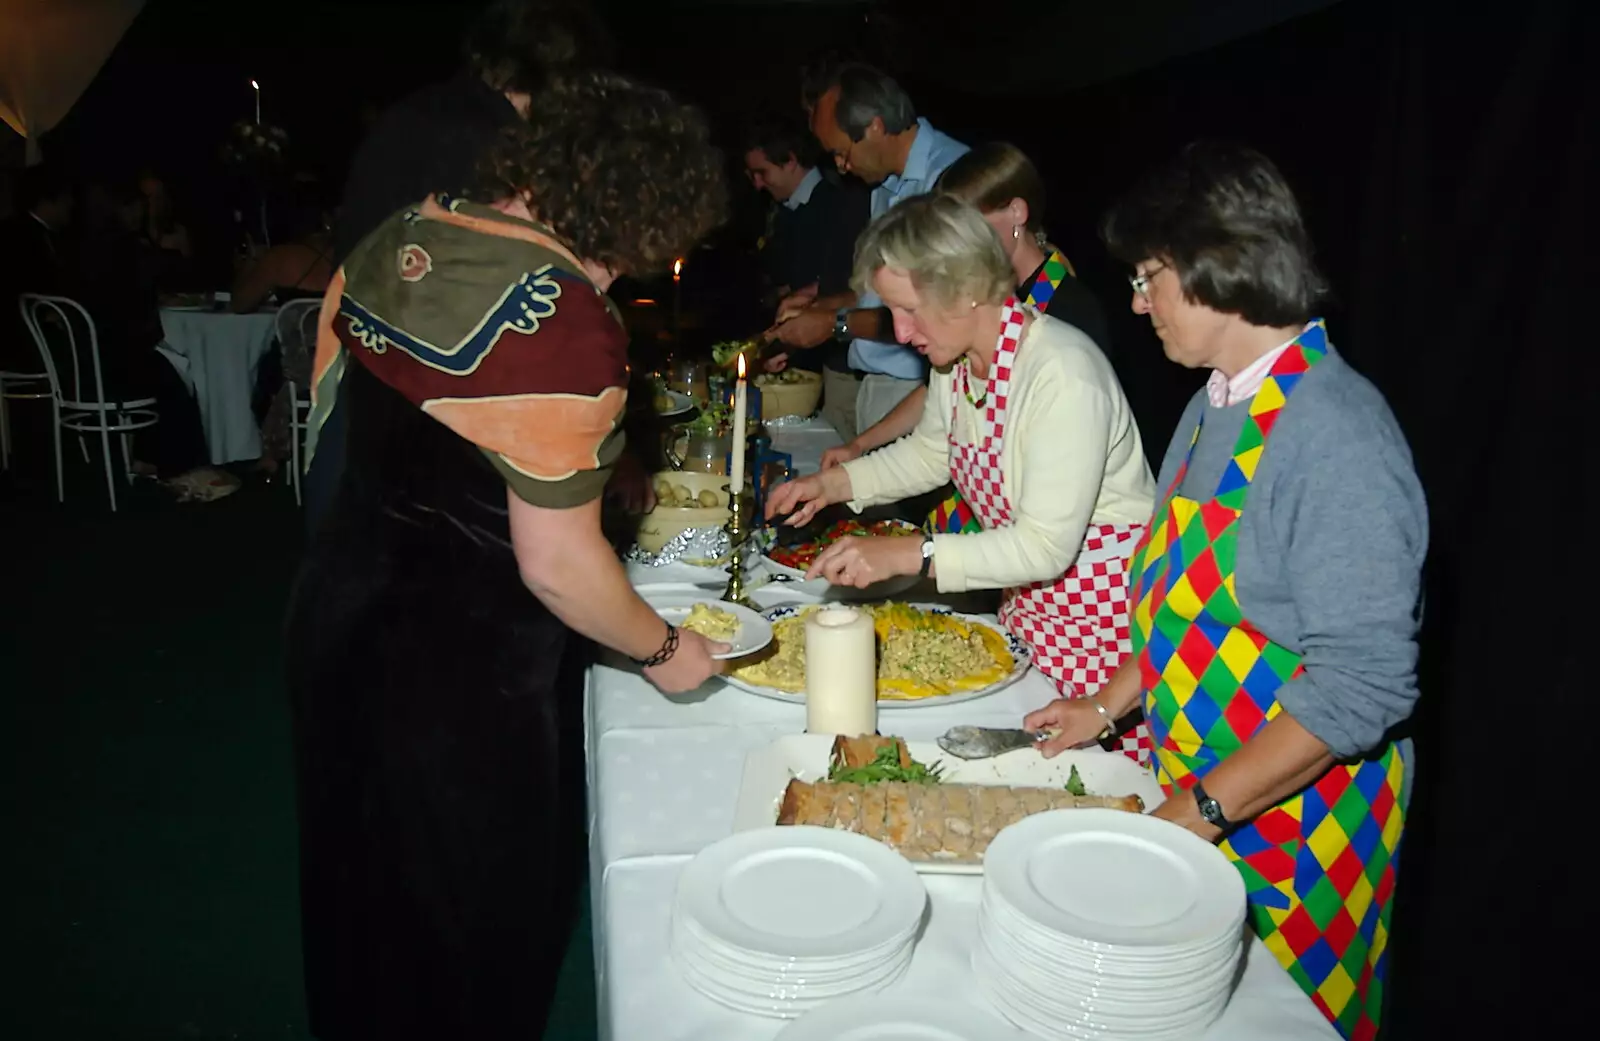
(680, 403)
(1122, 879)
(801, 892)
(899, 1017)
(1021, 658)
(755, 632)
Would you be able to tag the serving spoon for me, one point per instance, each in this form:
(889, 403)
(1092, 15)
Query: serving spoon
(988, 742)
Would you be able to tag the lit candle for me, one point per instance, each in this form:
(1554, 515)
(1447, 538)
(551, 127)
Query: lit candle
(677, 300)
(257, 87)
(740, 405)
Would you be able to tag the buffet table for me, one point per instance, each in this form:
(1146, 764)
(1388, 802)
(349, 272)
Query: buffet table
(664, 778)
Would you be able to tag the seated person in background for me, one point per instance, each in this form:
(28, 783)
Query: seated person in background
(299, 267)
(161, 226)
(33, 257)
(116, 281)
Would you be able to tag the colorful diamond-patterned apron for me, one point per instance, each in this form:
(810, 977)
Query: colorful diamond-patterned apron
(954, 516)
(1319, 868)
(1077, 625)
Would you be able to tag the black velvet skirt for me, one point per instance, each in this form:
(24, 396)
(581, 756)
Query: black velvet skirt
(441, 842)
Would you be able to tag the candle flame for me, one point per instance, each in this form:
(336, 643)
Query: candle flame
(677, 267)
(254, 84)
(741, 366)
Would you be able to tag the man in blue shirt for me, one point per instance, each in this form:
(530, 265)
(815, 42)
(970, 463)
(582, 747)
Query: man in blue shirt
(869, 125)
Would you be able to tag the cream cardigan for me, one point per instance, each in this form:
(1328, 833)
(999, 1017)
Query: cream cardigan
(1070, 457)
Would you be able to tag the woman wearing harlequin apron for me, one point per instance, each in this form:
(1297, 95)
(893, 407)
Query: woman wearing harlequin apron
(1025, 415)
(1276, 588)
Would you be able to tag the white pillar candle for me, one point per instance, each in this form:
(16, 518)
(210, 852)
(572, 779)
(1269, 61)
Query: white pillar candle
(257, 88)
(740, 407)
(841, 672)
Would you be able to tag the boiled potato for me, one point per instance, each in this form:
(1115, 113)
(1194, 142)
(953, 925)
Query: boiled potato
(709, 499)
(684, 496)
(664, 493)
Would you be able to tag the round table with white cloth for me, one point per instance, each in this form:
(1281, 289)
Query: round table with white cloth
(218, 353)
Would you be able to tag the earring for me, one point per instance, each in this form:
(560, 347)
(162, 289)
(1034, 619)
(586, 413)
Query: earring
(1016, 233)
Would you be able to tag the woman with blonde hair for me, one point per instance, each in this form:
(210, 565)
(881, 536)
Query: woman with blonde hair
(1025, 415)
(1002, 182)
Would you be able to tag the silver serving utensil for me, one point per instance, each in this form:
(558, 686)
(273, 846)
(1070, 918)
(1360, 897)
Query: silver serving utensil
(985, 742)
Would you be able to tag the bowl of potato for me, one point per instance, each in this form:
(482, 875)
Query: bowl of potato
(792, 392)
(684, 500)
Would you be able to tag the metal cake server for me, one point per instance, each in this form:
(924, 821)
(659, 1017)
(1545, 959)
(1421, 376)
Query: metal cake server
(986, 742)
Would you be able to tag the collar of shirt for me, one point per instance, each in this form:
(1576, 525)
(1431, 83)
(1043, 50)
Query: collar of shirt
(931, 151)
(1242, 385)
(802, 191)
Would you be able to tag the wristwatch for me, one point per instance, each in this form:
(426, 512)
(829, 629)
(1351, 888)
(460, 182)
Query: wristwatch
(1210, 808)
(841, 324)
(927, 556)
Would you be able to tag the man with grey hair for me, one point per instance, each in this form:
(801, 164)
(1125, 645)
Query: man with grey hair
(867, 122)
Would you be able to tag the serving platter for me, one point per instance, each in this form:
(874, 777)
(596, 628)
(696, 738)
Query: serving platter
(1021, 659)
(769, 769)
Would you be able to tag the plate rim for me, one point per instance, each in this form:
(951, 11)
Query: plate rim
(739, 611)
(677, 409)
(703, 875)
(920, 1009)
(1007, 872)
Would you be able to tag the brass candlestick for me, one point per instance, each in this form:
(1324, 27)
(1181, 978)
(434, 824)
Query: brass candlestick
(737, 535)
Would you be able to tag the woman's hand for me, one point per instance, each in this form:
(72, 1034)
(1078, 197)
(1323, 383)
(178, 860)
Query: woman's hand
(841, 454)
(1076, 722)
(862, 560)
(690, 665)
(801, 498)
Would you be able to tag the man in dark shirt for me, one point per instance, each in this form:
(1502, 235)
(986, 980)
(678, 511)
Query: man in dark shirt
(815, 221)
(33, 258)
(438, 139)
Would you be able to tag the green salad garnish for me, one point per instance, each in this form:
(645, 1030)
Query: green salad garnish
(885, 767)
(1075, 783)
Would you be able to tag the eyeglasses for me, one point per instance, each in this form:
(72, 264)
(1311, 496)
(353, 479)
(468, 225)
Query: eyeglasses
(1141, 282)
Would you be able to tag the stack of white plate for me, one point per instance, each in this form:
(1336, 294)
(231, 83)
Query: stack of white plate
(1099, 924)
(775, 922)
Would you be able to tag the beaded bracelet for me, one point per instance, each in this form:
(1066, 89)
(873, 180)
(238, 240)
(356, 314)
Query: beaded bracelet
(669, 647)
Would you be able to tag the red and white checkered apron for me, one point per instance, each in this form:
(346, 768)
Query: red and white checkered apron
(1078, 624)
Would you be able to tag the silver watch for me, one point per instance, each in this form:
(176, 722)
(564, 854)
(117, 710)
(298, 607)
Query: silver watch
(841, 324)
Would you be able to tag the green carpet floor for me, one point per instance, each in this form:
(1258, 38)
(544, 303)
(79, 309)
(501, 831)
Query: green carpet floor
(150, 853)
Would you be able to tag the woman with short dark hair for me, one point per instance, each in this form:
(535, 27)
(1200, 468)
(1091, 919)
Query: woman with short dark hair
(483, 374)
(1277, 587)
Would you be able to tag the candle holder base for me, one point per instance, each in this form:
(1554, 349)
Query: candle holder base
(738, 534)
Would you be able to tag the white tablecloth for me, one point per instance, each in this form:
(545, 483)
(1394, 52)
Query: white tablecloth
(663, 782)
(218, 353)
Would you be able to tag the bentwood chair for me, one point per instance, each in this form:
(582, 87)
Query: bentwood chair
(297, 338)
(69, 346)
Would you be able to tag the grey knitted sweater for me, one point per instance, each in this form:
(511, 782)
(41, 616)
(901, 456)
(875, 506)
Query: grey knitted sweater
(1331, 545)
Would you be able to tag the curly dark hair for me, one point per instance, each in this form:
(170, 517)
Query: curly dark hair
(519, 45)
(1225, 219)
(624, 172)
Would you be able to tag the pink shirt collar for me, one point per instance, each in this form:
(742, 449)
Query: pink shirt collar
(1242, 386)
